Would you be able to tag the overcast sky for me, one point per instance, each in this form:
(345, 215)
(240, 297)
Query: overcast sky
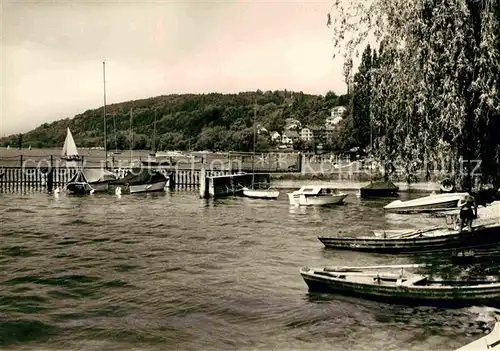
(52, 52)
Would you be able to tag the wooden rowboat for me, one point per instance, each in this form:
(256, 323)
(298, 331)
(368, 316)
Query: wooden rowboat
(488, 342)
(379, 283)
(436, 238)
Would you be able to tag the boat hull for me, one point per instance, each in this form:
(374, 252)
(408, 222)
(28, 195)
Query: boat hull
(323, 200)
(379, 192)
(78, 188)
(487, 342)
(142, 188)
(99, 187)
(429, 203)
(409, 294)
(261, 193)
(481, 235)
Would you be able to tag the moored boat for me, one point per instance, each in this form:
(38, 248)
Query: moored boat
(316, 195)
(261, 193)
(90, 180)
(379, 189)
(430, 203)
(78, 184)
(69, 151)
(379, 283)
(142, 180)
(422, 240)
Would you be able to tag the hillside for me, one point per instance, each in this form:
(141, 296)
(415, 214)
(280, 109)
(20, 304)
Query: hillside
(188, 121)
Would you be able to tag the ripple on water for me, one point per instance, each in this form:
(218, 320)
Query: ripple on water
(16, 251)
(21, 331)
(176, 272)
(19, 210)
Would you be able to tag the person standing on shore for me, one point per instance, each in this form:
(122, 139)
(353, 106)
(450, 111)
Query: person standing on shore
(468, 211)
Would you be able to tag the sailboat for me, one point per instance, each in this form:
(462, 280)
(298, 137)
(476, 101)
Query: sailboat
(253, 192)
(88, 181)
(69, 150)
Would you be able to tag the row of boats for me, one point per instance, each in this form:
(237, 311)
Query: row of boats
(138, 180)
(326, 194)
(413, 284)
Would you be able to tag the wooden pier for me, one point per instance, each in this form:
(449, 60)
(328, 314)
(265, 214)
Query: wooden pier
(14, 179)
(32, 170)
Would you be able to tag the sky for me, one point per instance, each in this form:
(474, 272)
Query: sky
(52, 52)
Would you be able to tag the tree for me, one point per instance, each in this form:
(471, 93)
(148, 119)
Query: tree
(439, 74)
(359, 107)
(299, 144)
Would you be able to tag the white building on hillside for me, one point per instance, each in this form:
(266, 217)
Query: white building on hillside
(306, 134)
(338, 111)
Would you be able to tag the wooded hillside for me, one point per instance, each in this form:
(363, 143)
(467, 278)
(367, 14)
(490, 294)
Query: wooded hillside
(188, 121)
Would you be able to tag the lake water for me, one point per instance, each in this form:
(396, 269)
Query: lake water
(171, 271)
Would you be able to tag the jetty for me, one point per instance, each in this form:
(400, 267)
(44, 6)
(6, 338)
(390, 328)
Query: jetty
(211, 175)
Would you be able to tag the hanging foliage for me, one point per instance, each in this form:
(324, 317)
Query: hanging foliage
(437, 79)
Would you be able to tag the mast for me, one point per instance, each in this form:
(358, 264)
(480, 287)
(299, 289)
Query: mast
(130, 137)
(154, 134)
(116, 137)
(105, 146)
(253, 148)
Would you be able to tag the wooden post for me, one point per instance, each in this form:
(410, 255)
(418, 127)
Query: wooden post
(229, 163)
(50, 175)
(21, 158)
(203, 180)
(302, 162)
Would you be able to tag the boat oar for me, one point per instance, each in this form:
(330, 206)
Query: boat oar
(419, 265)
(381, 275)
(416, 232)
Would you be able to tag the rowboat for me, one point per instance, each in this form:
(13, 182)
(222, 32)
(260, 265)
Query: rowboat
(421, 240)
(256, 193)
(430, 203)
(379, 283)
(488, 342)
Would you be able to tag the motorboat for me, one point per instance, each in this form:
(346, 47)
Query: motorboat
(318, 195)
(430, 203)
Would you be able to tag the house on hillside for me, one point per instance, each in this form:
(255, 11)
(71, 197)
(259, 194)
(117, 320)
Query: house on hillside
(333, 121)
(338, 111)
(289, 137)
(275, 136)
(322, 134)
(306, 134)
(292, 123)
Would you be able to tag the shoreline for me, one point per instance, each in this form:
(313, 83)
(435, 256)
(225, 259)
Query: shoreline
(424, 187)
(344, 181)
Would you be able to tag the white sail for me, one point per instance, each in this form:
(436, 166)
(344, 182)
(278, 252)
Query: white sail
(69, 147)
